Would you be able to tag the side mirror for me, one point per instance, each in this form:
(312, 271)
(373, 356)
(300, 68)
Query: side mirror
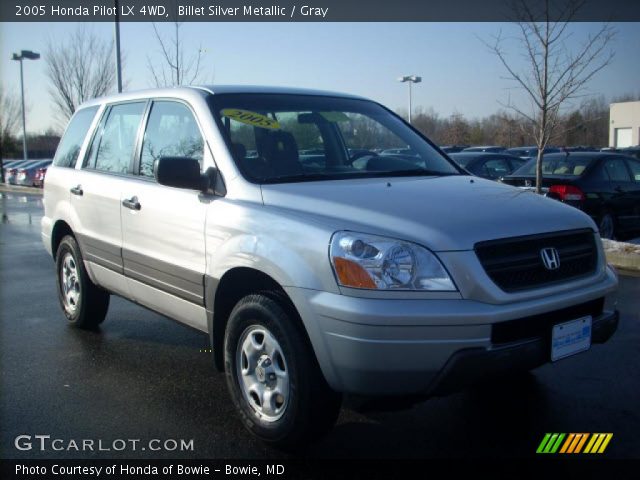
(181, 172)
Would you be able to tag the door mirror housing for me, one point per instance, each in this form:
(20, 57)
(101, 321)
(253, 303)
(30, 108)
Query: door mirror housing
(181, 172)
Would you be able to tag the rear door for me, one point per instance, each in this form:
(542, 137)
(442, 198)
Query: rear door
(633, 191)
(621, 201)
(96, 193)
(163, 227)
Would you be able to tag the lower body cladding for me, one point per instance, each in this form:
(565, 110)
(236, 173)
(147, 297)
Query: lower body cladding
(434, 347)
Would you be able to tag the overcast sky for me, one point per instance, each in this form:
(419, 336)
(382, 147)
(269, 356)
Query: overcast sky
(459, 74)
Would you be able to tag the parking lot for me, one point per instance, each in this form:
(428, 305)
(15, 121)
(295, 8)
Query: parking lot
(145, 377)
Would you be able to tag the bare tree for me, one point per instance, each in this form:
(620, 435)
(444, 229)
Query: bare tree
(79, 69)
(456, 130)
(175, 68)
(553, 74)
(9, 119)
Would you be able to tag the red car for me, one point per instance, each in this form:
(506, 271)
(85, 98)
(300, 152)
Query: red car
(38, 178)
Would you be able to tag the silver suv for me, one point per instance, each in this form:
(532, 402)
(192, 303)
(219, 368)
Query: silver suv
(272, 220)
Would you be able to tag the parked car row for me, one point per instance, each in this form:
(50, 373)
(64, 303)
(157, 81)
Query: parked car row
(488, 165)
(603, 183)
(606, 186)
(28, 173)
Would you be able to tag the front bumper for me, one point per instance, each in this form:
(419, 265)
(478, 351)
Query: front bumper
(469, 366)
(387, 346)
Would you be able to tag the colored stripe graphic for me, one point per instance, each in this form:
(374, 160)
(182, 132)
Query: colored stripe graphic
(598, 442)
(607, 439)
(581, 443)
(555, 447)
(567, 442)
(591, 442)
(574, 443)
(550, 443)
(543, 443)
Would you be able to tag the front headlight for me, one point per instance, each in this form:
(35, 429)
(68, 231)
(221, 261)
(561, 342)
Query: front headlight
(368, 261)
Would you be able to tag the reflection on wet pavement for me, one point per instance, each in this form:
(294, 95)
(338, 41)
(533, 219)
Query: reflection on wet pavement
(20, 209)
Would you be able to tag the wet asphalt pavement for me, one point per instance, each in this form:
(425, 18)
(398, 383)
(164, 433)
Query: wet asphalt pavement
(145, 377)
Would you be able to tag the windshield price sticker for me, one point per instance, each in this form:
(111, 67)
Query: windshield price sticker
(251, 118)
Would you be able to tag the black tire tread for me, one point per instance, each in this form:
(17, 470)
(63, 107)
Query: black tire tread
(94, 302)
(318, 406)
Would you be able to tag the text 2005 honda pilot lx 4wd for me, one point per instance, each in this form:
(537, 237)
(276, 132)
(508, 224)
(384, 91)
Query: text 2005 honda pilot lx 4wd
(318, 265)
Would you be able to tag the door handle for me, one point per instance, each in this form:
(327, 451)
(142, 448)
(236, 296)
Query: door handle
(77, 190)
(619, 189)
(132, 203)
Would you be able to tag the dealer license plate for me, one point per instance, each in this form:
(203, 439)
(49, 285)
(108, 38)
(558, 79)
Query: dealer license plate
(570, 338)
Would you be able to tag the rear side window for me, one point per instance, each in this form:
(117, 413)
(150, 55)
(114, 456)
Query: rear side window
(69, 148)
(113, 146)
(172, 131)
(616, 170)
(495, 168)
(634, 166)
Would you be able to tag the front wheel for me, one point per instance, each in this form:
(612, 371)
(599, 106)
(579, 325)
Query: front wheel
(84, 304)
(273, 377)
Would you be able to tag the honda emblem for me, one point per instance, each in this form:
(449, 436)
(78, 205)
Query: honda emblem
(550, 258)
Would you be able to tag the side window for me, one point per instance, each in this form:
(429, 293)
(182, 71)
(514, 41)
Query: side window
(69, 148)
(599, 174)
(113, 146)
(616, 170)
(496, 167)
(516, 163)
(634, 166)
(171, 131)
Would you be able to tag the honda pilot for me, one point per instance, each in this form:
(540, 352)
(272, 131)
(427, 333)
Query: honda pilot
(271, 220)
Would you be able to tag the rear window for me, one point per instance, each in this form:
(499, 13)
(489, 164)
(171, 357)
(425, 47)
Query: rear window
(463, 161)
(69, 148)
(568, 166)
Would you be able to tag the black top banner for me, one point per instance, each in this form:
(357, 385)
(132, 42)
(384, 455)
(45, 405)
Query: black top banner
(314, 10)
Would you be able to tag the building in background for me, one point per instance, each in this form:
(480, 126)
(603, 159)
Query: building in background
(624, 124)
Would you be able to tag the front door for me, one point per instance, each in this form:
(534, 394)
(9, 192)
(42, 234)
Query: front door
(163, 227)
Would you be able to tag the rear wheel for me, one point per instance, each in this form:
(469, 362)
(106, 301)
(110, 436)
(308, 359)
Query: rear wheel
(84, 304)
(607, 225)
(273, 377)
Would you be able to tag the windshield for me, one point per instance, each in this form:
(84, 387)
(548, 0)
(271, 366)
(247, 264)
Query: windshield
(277, 138)
(557, 165)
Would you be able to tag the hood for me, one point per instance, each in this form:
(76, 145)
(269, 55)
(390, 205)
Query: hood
(441, 213)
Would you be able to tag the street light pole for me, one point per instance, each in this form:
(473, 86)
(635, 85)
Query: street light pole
(116, 34)
(410, 79)
(29, 55)
(24, 117)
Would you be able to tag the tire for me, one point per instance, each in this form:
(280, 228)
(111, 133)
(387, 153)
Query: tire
(607, 226)
(300, 406)
(84, 304)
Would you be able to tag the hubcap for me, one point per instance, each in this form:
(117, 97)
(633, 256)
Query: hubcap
(70, 283)
(606, 227)
(262, 373)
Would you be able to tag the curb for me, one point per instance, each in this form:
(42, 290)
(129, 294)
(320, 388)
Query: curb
(624, 261)
(623, 256)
